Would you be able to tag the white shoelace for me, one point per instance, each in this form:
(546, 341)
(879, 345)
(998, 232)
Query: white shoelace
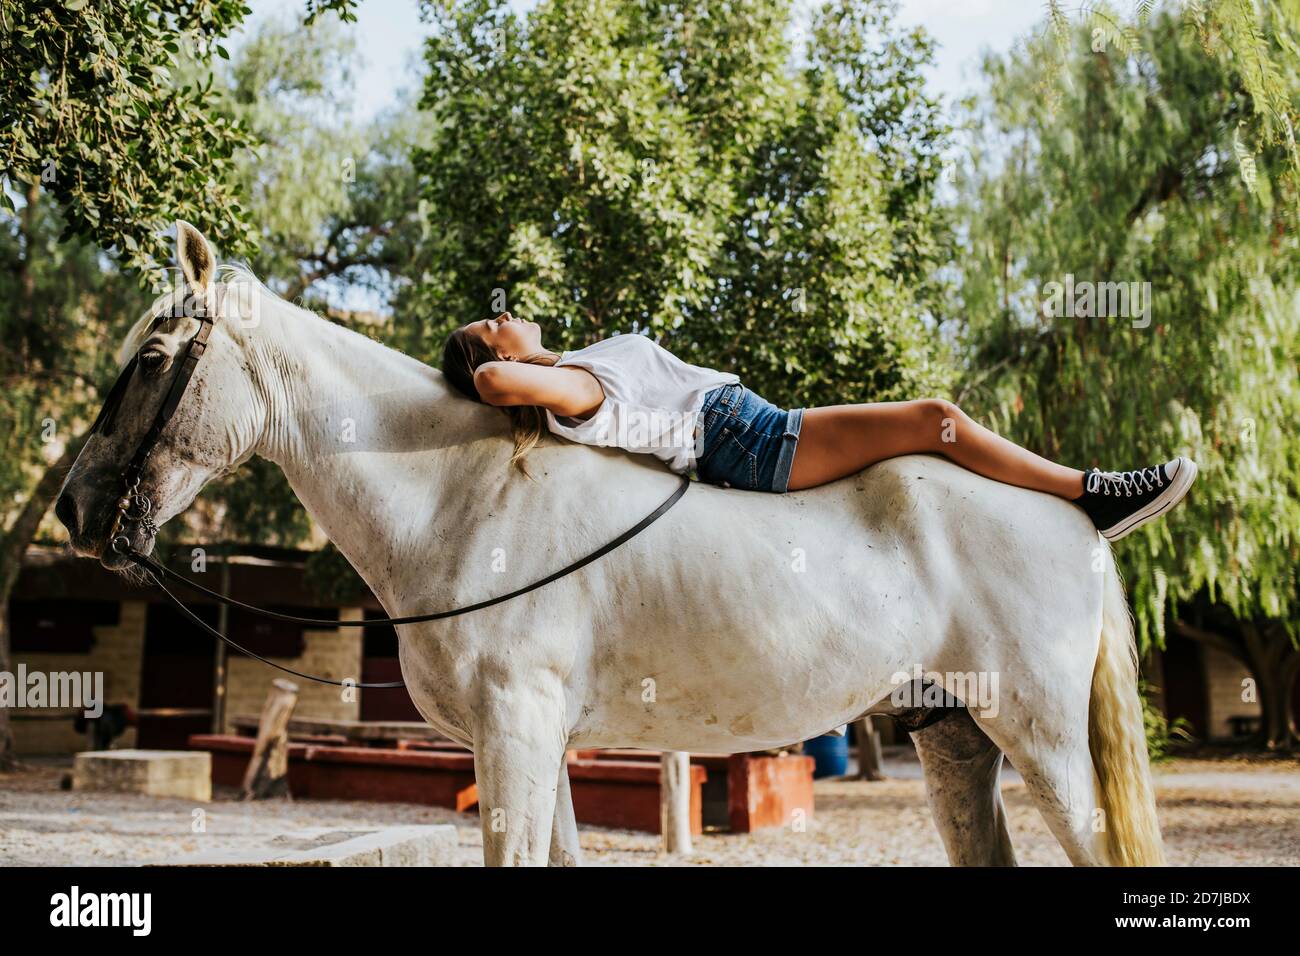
(1127, 483)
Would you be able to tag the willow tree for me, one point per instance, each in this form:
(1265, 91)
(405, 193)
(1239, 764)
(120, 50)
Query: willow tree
(1132, 172)
(683, 170)
(1230, 28)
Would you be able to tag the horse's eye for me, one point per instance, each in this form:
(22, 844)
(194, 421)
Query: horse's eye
(152, 360)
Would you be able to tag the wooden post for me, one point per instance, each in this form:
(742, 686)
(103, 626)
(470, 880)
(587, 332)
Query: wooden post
(268, 769)
(869, 751)
(219, 661)
(675, 801)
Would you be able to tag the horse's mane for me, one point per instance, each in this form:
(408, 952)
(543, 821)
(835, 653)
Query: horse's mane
(239, 273)
(231, 273)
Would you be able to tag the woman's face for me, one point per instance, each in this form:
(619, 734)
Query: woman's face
(507, 336)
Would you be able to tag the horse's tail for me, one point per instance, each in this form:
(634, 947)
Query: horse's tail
(1117, 737)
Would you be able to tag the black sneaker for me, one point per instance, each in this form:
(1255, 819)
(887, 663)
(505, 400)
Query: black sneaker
(1120, 502)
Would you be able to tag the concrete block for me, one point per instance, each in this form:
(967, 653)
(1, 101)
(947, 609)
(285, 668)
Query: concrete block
(184, 774)
(321, 846)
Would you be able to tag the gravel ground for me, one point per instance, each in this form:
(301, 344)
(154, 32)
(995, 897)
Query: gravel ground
(1213, 812)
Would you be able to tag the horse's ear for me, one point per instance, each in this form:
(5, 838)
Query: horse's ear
(194, 256)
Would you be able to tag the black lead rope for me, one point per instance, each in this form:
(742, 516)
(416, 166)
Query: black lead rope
(180, 606)
(158, 571)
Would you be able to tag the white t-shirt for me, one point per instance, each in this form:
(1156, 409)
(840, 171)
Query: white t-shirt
(652, 399)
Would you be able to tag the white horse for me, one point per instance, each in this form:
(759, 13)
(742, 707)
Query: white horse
(739, 621)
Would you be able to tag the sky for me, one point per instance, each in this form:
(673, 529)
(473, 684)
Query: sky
(389, 33)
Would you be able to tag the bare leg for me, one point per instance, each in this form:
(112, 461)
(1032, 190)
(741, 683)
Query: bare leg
(840, 440)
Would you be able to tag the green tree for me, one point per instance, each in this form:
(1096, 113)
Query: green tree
(289, 85)
(1221, 27)
(1130, 175)
(1229, 28)
(66, 302)
(89, 111)
(98, 148)
(678, 169)
(335, 205)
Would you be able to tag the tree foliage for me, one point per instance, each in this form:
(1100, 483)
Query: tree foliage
(1259, 39)
(89, 111)
(1131, 175)
(676, 169)
(336, 207)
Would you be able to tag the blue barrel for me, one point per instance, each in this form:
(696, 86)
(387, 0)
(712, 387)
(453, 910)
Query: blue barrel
(830, 755)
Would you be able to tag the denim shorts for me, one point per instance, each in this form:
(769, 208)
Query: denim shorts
(745, 441)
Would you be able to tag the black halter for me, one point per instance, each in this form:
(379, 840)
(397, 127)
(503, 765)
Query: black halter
(136, 508)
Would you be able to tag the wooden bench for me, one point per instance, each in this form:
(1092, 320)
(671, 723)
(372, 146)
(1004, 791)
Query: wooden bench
(354, 773)
(616, 788)
(366, 733)
(612, 793)
(746, 792)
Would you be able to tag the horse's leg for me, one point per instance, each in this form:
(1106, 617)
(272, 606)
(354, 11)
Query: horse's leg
(518, 756)
(565, 850)
(1062, 783)
(1056, 765)
(961, 769)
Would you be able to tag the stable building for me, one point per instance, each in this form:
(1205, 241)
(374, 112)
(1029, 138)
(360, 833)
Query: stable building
(69, 614)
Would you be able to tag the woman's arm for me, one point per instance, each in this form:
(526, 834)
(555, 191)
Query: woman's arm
(567, 390)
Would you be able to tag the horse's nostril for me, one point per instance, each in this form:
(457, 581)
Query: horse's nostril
(65, 509)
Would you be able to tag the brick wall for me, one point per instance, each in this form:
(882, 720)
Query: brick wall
(1223, 681)
(333, 653)
(116, 653)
